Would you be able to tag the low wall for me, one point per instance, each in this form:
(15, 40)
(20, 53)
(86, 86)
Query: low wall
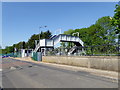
(97, 62)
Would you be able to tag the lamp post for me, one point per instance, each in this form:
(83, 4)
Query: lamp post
(39, 30)
(39, 34)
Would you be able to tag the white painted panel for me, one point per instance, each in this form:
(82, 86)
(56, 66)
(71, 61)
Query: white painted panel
(23, 52)
(42, 42)
(57, 40)
(73, 39)
(64, 37)
(49, 42)
(68, 38)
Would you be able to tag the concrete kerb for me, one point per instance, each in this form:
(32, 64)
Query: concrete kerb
(104, 73)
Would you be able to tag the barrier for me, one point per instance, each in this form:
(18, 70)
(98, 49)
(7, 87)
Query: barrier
(110, 63)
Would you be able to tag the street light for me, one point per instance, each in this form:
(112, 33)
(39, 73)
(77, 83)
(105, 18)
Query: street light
(39, 34)
(39, 30)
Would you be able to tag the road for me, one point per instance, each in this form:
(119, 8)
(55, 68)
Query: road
(22, 74)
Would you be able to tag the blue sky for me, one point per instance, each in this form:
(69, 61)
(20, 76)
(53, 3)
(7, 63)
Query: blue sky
(21, 20)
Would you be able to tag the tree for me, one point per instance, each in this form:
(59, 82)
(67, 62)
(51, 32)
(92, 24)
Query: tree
(47, 34)
(98, 34)
(0, 49)
(8, 49)
(109, 30)
(70, 31)
(43, 35)
(93, 35)
(116, 20)
(31, 41)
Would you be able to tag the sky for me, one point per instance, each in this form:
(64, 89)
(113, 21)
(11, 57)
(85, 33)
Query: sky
(20, 20)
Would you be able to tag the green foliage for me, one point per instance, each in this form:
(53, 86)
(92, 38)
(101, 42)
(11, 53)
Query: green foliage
(46, 35)
(109, 30)
(8, 50)
(0, 51)
(43, 35)
(102, 32)
(69, 32)
(116, 19)
(30, 44)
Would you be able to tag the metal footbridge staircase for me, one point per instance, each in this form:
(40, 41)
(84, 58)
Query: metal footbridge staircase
(50, 43)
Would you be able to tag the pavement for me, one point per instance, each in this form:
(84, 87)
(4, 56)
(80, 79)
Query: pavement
(104, 73)
(25, 74)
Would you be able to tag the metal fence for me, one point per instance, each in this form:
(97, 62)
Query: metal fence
(16, 54)
(97, 50)
(37, 56)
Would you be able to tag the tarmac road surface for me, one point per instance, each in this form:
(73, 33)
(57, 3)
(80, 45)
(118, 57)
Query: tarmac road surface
(23, 74)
